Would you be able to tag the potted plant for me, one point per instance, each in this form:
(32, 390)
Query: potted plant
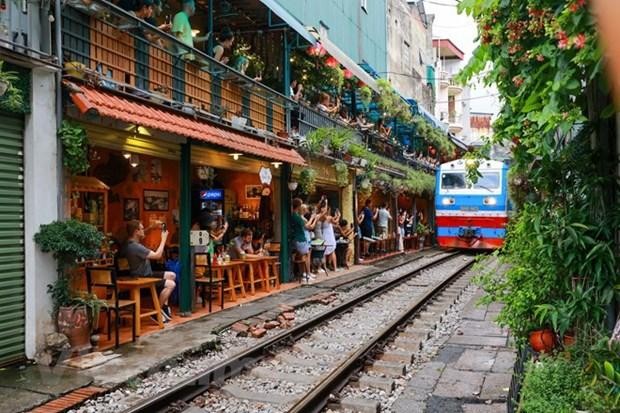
(365, 96)
(74, 312)
(422, 231)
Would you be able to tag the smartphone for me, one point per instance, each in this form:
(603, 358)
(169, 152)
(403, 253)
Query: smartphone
(167, 19)
(164, 227)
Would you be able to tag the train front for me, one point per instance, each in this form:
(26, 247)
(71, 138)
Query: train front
(471, 215)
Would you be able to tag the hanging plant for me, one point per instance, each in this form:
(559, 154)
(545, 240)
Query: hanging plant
(307, 181)
(342, 174)
(75, 147)
(365, 96)
(12, 97)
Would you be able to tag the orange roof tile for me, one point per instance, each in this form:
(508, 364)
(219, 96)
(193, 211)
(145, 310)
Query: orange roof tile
(127, 110)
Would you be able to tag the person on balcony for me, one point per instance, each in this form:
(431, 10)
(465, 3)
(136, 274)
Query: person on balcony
(362, 123)
(181, 27)
(325, 106)
(222, 52)
(343, 116)
(296, 91)
(384, 131)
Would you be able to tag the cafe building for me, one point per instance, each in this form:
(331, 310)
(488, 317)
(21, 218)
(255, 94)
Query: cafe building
(158, 165)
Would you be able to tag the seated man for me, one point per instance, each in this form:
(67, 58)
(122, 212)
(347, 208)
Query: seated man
(138, 258)
(242, 245)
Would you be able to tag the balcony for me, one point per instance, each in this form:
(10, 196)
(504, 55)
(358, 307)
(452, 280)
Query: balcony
(454, 88)
(455, 123)
(26, 34)
(444, 79)
(107, 43)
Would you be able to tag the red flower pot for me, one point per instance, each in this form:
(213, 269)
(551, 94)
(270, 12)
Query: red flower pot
(542, 340)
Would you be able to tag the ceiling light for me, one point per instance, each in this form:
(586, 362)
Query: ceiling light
(236, 156)
(126, 155)
(134, 161)
(276, 164)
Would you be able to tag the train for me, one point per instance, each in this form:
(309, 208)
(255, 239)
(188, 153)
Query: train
(472, 215)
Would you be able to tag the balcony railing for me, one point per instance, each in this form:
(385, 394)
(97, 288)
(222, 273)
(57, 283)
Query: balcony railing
(116, 44)
(312, 119)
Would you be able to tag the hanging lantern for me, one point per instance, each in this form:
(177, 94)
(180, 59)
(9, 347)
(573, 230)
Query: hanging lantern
(331, 62)
(348, 74)
(321, 50)
(360, 84)
(314, 50)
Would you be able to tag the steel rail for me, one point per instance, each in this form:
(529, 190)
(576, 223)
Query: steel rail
(316, 400)
(194, 386)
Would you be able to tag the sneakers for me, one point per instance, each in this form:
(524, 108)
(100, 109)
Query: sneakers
(167, 311)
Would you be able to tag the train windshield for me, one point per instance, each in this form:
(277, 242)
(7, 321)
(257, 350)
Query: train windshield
(457, 180)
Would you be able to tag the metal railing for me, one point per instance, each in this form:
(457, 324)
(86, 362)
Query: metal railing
(311, 119)
(131, 52)
(523, 355)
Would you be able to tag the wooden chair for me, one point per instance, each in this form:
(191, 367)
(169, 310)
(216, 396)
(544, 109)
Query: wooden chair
(105, 277)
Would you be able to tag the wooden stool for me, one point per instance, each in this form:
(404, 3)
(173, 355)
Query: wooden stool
(232, 275)
(273, 274)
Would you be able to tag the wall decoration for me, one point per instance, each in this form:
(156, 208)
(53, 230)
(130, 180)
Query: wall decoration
(155, 171)
(155, 200)
(131, 209)
(253, 191)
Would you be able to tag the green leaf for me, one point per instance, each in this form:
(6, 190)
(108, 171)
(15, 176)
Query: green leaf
(609, 370)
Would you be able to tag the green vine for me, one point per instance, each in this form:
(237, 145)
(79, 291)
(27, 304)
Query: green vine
(13, 98)
(544, 57)
(365, 96)
(342, 174)
(307, 181)
(75, 147)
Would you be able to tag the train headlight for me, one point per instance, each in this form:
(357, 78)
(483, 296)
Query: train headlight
(447, 201)
(490, 200)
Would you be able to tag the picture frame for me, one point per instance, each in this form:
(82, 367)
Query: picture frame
(253, 191)
(155, 200)
(131, 209)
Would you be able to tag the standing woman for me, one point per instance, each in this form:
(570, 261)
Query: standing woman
(402, 219)
(223, 51)
(327, 223)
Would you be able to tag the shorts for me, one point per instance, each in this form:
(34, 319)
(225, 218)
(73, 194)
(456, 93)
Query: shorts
(302, 247)
(160, 275)
(366, 232)
(381, 231)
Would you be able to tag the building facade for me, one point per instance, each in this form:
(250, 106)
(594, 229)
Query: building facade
(29, 178)
(410, 52)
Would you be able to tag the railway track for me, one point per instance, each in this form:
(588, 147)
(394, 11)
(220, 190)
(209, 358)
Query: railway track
(303, 368)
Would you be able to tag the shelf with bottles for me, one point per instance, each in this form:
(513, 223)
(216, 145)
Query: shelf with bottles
(89, 201)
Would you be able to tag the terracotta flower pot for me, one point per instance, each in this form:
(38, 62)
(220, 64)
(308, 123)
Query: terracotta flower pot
(542, 340)
(73, 322)
(568, 339)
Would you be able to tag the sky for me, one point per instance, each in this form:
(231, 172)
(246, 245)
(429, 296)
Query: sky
(461, 30)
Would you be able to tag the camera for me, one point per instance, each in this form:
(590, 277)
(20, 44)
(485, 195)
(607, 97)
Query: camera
(164, 227)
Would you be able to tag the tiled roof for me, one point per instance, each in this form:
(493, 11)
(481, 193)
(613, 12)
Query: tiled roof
(108, 104)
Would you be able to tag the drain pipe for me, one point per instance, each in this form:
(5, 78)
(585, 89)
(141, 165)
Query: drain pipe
(59, 165)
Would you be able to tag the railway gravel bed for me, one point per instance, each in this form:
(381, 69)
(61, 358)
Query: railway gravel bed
(276, 383)
(229, 344)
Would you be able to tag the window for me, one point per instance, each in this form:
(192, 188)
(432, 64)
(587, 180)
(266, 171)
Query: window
(364, 4)
(453, 181)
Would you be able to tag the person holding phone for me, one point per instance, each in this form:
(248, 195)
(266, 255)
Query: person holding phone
(138, 257)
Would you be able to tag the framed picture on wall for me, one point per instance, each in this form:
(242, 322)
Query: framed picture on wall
(253, 191)
(131, 209)
(155, 200)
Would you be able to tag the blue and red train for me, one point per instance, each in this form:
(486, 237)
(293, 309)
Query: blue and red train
(471, 215)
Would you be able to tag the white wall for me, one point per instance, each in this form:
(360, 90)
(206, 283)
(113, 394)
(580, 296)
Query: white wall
(41, 205)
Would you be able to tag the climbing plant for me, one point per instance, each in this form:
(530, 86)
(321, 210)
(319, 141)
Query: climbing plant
(75, 147)
(545, 60)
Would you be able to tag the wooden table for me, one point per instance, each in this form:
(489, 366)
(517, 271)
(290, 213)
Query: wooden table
(218, 277)
(256, 272)
(134, 285)
(270, 271)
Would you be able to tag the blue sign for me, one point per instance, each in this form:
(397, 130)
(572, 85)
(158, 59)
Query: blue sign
(212, 195)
